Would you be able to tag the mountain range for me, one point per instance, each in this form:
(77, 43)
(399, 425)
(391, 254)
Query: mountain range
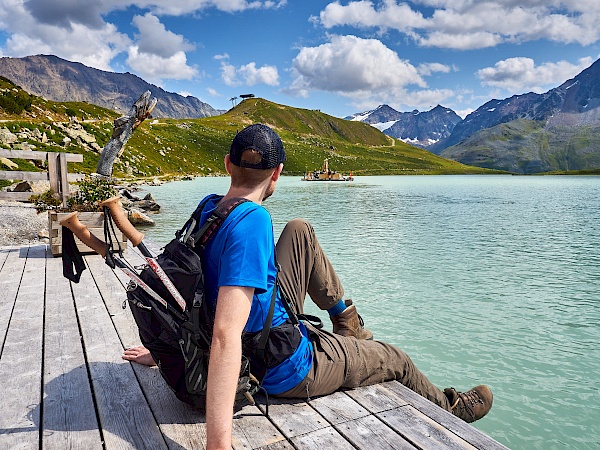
(421, 129)
(528, 133)
(60, 80)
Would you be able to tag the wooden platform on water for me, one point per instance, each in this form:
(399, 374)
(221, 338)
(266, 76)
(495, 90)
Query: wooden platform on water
(63, 383)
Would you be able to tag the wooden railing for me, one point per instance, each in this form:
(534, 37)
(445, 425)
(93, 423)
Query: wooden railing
(57, 172)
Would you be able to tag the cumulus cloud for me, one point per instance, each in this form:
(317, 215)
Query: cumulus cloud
(159, 53)
(91, 45)
(249, 75)
(366, 71)
(155, 39)
(351, 64)
(470, 24)
(77, 30)
(521, 74)
(154, 68)
(427, 69)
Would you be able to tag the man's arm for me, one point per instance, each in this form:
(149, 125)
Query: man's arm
(233, 308)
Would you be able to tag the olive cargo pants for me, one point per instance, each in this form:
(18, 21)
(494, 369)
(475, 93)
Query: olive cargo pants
(338, 361)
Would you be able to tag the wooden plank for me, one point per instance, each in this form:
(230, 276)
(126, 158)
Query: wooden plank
(21, 362)
(22, 175)
(338, 408)
(444, 418)
(69, 419)
(125, 417)
(31, 154)
(16, 196)
(63, 181)
(371, 433)
(10, 278)
(295, 417)
(354, 421)
(324, 438)
(423, 431)
(181, 425)
(376, 398)
(3, 255)
(53, 169)
(252, 429)
(33, 176)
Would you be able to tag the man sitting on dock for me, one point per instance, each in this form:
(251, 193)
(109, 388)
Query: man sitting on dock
(241, 263)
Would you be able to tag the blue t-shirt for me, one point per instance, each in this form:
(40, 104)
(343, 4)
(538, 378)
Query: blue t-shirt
(242, 253)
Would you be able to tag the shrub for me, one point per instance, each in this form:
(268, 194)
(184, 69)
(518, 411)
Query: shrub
(92, 191)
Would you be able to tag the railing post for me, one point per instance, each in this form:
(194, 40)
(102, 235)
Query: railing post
(64, 182)
(53, 171)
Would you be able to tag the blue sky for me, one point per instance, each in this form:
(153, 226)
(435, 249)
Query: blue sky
(340, 57)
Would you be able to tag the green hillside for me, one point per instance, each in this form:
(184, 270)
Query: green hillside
(526, 146)
(171, 148)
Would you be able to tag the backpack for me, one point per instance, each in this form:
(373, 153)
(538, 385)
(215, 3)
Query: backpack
(179, 341)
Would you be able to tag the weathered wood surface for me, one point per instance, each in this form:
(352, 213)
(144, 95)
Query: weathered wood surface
(63, 383)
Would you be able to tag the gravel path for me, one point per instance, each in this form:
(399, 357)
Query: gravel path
(20, 224)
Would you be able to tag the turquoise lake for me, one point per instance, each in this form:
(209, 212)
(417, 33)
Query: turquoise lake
(480, 279)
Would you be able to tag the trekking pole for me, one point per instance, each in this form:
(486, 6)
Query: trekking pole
(136, 237)
(73, 223)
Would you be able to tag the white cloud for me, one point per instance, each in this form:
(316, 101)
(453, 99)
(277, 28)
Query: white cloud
(154, 68)
(213, 92)
(349, 64)
(366, 71)
(155, 39)
(159, 53)
(92, 46)
(249, 75)
(469, 24)
(427, 69)
(76, 30)
(521, 74)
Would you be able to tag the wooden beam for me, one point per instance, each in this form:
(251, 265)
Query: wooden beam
(30, 154)
(22, 175)
(63, 182)
(16, 196)
(34, 176)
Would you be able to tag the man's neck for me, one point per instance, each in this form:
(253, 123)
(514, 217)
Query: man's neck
(255, 195)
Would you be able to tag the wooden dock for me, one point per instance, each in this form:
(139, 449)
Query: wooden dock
(63, 383)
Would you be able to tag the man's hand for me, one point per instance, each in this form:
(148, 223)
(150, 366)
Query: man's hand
(233, 308)
(140, 355)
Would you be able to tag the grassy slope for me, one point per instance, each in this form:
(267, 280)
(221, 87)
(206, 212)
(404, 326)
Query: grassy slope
(527, 146)
(309, 137)
(170, 148)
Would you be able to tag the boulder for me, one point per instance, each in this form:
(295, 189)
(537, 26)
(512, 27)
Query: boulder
(136, 217)
(6, 137)
(8, 163)
(23, 186)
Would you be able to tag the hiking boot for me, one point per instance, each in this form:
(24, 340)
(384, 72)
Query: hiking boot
(349, 323)
(471, 405)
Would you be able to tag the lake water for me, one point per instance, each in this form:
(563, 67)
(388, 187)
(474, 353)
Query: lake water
(480, 279)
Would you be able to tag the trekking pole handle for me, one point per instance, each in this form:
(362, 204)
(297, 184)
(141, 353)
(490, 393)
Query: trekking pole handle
(81, 231)
(122, 221)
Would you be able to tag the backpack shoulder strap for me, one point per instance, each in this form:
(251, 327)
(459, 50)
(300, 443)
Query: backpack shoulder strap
(191, 223)
(214, 221)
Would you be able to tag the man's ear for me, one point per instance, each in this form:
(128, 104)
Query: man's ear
(277, 172)
(227, 161)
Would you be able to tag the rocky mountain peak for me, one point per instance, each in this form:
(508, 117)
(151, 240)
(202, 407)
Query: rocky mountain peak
(57, 79)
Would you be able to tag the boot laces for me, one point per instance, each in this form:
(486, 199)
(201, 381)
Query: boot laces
(361, 321)
(469, 400)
